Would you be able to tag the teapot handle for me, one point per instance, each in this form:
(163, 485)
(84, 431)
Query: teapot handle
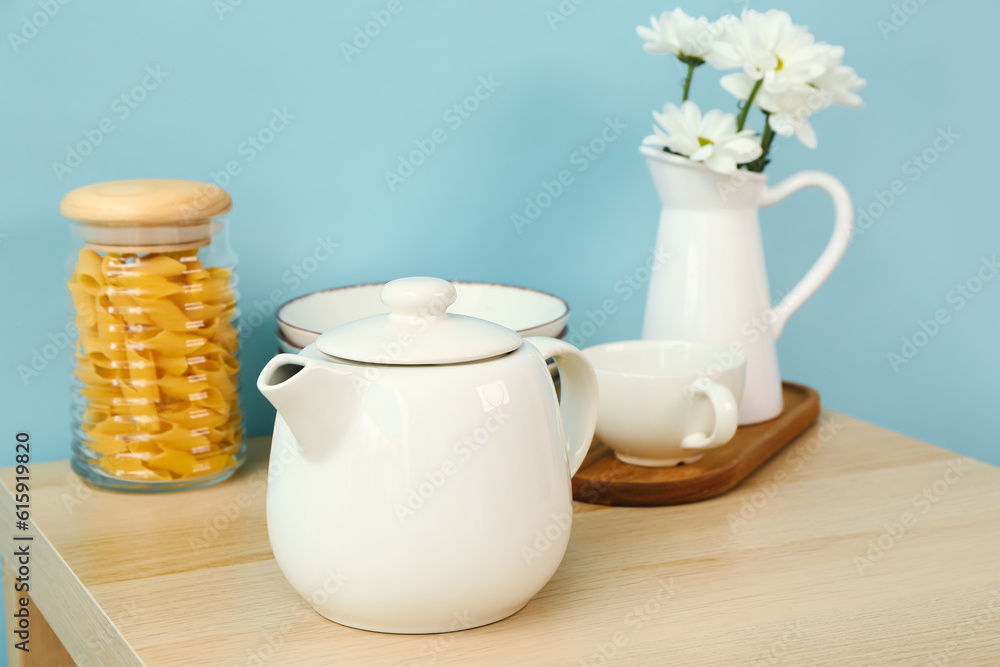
(843, 225)
(579, 396)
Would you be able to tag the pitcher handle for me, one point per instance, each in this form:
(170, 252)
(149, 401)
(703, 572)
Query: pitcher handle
(843, 225)
(578, 387)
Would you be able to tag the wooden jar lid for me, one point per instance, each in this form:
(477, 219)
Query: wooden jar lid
(146, 201)
(146, 214)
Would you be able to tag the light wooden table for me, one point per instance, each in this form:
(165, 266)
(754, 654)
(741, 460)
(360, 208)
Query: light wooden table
(855, 545)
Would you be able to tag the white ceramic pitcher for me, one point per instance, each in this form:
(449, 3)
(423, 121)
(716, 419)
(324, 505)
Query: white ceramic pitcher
(712, 285)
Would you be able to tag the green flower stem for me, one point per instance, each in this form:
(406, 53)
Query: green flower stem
(687, 81)
(765, 142)
(758, 165)
(746, 106)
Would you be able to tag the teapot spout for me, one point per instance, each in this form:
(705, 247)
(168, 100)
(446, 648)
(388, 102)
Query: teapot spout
(315, 399)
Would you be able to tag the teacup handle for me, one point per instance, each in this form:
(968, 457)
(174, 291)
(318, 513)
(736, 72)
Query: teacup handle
(726, 417)
(578, 387)
(843, 226)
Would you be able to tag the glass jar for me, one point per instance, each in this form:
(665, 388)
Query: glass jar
(155, 402)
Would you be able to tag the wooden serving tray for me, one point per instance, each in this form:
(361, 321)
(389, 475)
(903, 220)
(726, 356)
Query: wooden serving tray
(604, 480)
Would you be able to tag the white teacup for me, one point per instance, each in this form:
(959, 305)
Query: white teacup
(663, 401)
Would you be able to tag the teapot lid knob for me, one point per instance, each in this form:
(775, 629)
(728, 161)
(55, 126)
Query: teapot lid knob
(421, 296)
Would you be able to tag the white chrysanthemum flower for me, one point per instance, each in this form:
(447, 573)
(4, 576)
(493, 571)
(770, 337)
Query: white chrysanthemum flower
(789, 111)
(711, 139)
(839, 82)
(779, 59)
(790, 100)
(769, 46)
(789, 114)
(676, 33)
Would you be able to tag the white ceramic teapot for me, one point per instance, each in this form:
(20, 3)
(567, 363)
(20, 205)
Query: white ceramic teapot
(420, 465)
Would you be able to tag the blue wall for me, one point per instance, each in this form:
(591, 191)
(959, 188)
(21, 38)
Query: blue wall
(224, 73)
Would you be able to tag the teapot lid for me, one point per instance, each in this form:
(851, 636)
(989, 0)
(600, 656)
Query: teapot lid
(418, 330)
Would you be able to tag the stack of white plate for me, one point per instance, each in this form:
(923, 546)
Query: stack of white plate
(527, 311)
